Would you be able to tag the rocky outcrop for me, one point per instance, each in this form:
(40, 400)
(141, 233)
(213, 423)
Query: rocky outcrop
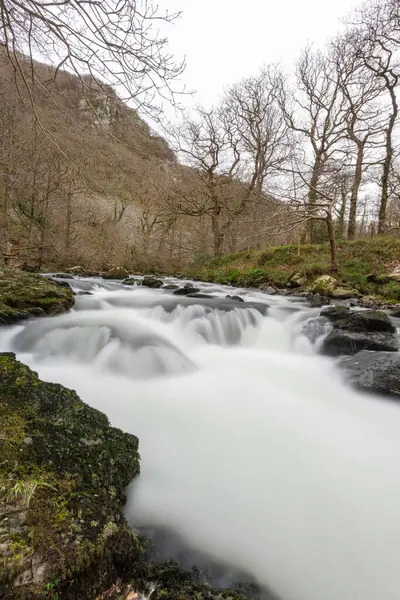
(152, 282)
(24, 295)
(62, 478)
(354, 331)
(374, 372)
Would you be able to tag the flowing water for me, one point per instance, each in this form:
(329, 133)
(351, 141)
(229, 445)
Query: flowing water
(254, 451)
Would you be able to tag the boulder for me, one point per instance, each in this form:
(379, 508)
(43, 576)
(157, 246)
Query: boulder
(116, 273)
(151, 282)
(63, 475)
(130, 281)
(171, 286)
(354, 331)
(76, 270)
(395, 313)
(297, 280)
(339, 342)
(324, 285)
(343, 294)
(269, 290)
(187, 289)
(359, 321)
(235, 297)
(374, 372)
(60, 283)
(200, 295)
(317, 300)
(24, 295)
(63, 276)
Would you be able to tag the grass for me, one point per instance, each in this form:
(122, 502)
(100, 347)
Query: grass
(357, 259)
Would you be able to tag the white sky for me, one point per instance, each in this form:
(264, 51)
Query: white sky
(225, 40)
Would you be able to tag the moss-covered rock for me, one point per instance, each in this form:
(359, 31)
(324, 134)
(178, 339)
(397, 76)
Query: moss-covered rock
(63, 472)
(24, 295)
(324, 285)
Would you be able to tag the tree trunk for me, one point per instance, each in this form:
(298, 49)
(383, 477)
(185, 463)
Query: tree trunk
(313, 196)
(332, 241)
(387, 163)
(342, 214)
(218, 235)
(68, 224)
(351, 231)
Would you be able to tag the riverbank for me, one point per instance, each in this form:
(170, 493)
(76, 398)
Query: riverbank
(369, 268)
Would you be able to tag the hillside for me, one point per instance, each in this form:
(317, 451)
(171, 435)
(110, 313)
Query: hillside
(84, 180)
(365, 265)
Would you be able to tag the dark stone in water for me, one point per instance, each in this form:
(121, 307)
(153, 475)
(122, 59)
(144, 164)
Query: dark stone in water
(236, 298)
(360, 321)
(340, 342)
(187, 289)
(171, 286)
(199, 295)
(152, 282)
(374, 372)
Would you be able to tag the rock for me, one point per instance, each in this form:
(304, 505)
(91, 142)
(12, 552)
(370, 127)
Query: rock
(171, 286)
(151, 282)
(317, 301)
(131, 281)
(297, 280)
(62, 276)
(269, 290)
(76, 270)
(82, 293)
(72, 476)
(358, 321)
(394, 275)
(339, 342)
(236, 298)
(116, 273)
(395, 313)
(187, 289)
(374, 372)
(199, 295)
(378, 278)
(343, 294)
(24, 295)
(61, 283)
(324, 285)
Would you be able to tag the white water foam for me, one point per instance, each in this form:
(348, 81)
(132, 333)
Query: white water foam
(253, 449)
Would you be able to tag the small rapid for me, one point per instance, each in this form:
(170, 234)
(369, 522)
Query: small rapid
(254, 450)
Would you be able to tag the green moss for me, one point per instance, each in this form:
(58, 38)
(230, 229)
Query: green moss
(23, 295)
(276, 265)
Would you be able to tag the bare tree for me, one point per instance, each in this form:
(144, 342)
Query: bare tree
(108, 43)
(377, 43)
(315, 111)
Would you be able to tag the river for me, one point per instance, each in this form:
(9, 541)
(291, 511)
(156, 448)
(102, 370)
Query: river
(254, 450)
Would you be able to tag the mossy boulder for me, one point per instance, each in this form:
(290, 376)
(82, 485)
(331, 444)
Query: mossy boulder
(324, 285)
(151, 282)
(24, 295)
(63, 472)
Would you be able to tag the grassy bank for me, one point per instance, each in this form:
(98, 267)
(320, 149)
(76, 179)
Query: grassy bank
(363, 265)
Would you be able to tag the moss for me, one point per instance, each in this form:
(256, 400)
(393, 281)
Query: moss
(276, 265)
(63, 470)
(23, 295)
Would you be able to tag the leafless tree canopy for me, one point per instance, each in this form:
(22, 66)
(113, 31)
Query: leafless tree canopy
(104, 42)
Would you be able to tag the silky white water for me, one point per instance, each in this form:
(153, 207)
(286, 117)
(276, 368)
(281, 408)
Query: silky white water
(253, 448)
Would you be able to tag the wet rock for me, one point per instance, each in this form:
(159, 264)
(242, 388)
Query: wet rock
(151, 282)
(374, 372)
(199, 295)
(82, 293)
(269, 290)
(317, 300)
(324, 285)
(116, 273)
(395, 313)
(171, 286)
(63, 276)
(354, 331)
(187, 289)
(61, 283)
(131, 281)
(359, 321)
(236, 298)
(340, 342)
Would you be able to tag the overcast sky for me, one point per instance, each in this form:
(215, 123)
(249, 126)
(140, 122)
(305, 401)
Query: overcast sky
(224, 40)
